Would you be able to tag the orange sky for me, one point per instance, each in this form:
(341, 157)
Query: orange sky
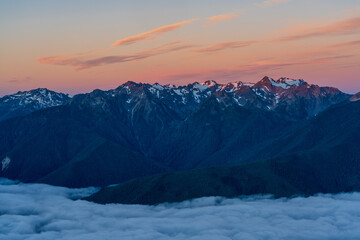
(102, 47)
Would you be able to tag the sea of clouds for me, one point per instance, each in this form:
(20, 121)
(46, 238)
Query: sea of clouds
(40, 211)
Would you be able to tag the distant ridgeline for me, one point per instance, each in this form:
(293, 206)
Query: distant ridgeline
(280, 136)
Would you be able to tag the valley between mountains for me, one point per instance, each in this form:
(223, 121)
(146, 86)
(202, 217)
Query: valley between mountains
(164, 143)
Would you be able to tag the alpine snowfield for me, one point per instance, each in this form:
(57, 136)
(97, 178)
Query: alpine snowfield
(39, 211)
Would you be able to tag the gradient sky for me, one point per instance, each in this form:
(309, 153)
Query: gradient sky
(77, 46)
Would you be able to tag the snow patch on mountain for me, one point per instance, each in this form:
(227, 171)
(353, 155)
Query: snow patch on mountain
(249, 84)
(158, 86)
(355, 97)
(200, 87)
(5, 163)
(178, 92)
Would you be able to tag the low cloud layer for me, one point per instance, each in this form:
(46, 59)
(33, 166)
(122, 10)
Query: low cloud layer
(39, 211)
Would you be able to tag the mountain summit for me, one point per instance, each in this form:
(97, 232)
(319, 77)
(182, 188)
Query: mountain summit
(22, 103)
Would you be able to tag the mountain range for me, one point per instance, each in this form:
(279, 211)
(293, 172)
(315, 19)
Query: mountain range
(271, 128)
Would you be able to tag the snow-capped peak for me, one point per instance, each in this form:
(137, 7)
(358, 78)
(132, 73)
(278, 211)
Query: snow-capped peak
(25, 102)
(42, 97)
(210, 83)
(238, 83)
(286, 83)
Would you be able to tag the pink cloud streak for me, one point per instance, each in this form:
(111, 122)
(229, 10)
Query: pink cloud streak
(80, 62)
(344, 27)
(223, 46)
(152, 34)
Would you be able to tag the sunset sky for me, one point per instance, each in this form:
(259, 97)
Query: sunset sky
(77, 46)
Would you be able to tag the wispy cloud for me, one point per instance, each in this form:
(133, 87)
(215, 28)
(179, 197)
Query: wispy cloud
(152, 34)
(81, 62)
(223, 46)
(344, 27)
(268, 3)
(92, 59)
(352, 10)
(86, 60)
(267, 65)
(19, 80)
(221, 18)
(355, 43)
(254, 68)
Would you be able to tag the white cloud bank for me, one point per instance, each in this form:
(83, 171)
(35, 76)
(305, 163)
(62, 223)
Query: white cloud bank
(39, 211)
